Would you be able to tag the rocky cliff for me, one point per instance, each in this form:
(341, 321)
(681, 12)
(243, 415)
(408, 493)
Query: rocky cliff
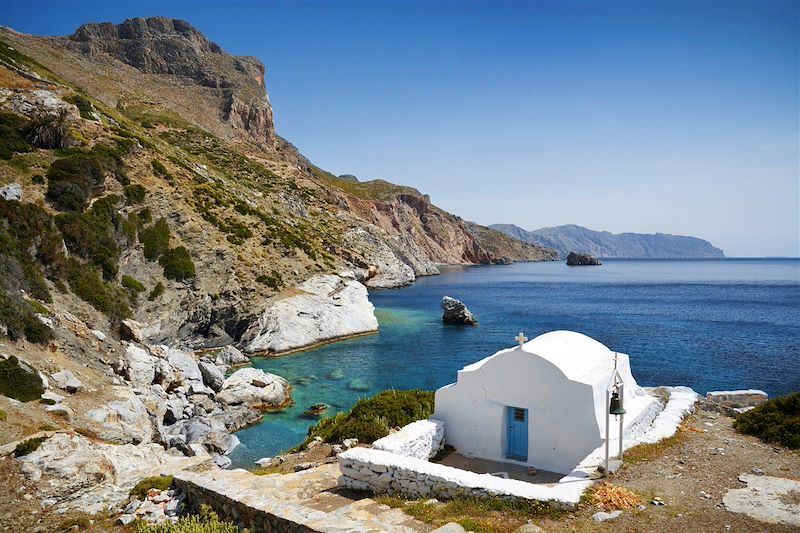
(572, 238)
(203, 208)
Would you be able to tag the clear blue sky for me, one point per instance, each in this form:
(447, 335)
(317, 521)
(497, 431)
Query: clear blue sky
(679, 117)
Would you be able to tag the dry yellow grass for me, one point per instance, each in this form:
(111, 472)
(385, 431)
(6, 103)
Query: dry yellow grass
(613, 498)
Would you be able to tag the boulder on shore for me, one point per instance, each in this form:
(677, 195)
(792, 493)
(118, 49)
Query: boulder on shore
(255, 388)
(455, 312)
(574, 259)
(321, 309)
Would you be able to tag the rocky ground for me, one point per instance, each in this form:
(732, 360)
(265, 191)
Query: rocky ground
(691, 475)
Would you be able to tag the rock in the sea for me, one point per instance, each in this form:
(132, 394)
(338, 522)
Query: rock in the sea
(455, 312)
(255, 388)
(66, 380)
(358, 385)
(212, 375)
(574, 259)
(324, 308)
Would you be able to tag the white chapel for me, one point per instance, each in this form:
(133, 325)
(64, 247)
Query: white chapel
(541, 404)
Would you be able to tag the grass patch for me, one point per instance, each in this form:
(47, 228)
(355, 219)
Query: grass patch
(140, 490)
(273, 280)
(475, 514)
(29, 446)
(3, 416)
(19, 382)
(370, 419)
(84, 105)
(205, 522)
(776, 421)
(650, 452)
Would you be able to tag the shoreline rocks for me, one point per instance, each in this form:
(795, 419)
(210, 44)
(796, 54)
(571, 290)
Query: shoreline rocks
(324, 308)
(575, 259)
(455, 312)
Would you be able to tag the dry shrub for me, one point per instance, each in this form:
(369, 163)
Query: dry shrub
(613, 498)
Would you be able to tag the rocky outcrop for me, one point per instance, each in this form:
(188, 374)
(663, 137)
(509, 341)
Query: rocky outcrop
(66, 380)
(255, 388)
(73, 473)
(574, 259)
(734, 402)
(323, 308)
(122, 421)
(159, 45)
(455, 312)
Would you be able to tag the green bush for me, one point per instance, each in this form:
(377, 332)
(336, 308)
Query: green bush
(12, 135)
(370, 419)
(83, 104)
(38, 179)
(206, 522)
(92, 235)
(19, 382)
(73, 179)
(157, 291)
(178, 264)
(3, 416)
(86, 283)
(134, 194)
(776, 421)
(273, 280)
(28, 446)
(161, 170)
(155, 239)
(133, 286)
(20, 320)
(140, 490)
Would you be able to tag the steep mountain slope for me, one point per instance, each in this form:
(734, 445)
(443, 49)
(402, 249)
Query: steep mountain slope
(572, 238)
(175, 199)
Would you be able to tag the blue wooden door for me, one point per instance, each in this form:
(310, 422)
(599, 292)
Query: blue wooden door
(518, 433)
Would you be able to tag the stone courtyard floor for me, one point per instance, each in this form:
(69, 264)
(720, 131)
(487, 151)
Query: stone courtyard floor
(483, 466)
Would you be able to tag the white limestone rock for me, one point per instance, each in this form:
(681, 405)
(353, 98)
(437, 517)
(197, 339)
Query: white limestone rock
(12, 191)
(323, 308)
(140, 366)
(184, 366)
(230, 356)
(255, 388)
(74, 473)
(767, 499)
(66, 380)
(212, 375)
(132, 330)
(125, 420)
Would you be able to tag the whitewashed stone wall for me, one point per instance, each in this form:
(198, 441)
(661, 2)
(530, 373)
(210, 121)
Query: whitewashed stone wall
(421, 439)
(385, 472)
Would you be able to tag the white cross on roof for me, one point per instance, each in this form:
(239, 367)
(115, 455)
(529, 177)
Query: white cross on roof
(521, 339)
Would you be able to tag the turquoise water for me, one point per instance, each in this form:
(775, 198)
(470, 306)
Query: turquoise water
(709, 324)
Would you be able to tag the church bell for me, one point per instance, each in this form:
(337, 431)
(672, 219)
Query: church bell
(616, 405)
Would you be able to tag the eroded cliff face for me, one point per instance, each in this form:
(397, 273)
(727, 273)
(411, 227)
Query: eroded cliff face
(172, 47)
(257, 218)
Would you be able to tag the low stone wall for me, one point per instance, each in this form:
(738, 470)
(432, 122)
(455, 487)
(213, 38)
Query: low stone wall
(421, 439)
(233, 510)
(385, 472)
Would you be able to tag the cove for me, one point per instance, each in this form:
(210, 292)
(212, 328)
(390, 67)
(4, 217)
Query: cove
(708, 324)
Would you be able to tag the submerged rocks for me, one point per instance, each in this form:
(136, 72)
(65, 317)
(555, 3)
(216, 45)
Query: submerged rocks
(574, 259)
(321, 309)
(455, 312)
(255, 388)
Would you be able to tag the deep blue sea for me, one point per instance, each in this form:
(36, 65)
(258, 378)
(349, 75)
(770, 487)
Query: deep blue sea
(708, 324)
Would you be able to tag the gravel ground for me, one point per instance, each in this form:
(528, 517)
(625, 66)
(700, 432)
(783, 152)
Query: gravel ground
(691, 476)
